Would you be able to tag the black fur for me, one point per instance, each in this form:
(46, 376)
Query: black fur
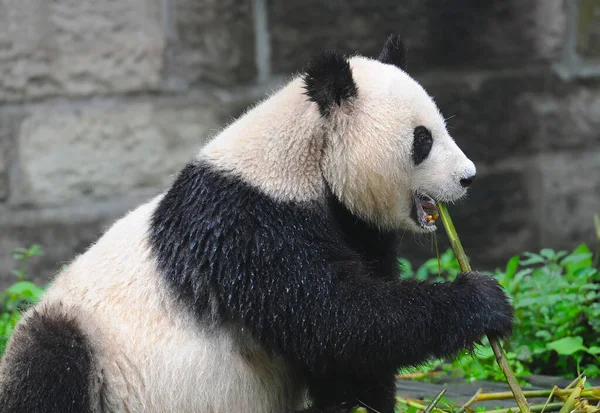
(378, 249)
(422, 143)
(394, 52)
(49, 365)
(328, 81)
(315, 284)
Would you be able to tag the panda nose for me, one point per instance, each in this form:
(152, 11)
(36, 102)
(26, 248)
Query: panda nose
(465, 182)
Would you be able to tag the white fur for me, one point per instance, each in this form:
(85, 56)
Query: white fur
(276, 146)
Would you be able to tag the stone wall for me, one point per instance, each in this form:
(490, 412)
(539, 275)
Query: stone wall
(101, 102)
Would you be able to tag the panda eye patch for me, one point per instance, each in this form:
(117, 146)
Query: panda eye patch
(422, 143)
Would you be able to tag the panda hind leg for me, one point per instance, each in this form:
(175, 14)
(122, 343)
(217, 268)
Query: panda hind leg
(47, 365)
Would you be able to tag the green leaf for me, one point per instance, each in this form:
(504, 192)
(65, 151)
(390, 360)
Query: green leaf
(575, 262)
(587, 273)
(485, 353)
(567, 346)
(429, 267)
(511, 266)
(582, 248)
(35, 251)
(547, 253)
(543, 334)
(533, 259)
(18, 253)
(594, 350)
(576, 258)
(406, 270)
(559, 255)
(581, 257)
(24, 288)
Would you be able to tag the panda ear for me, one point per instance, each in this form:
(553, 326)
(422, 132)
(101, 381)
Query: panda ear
(328, 81)
(394, 52)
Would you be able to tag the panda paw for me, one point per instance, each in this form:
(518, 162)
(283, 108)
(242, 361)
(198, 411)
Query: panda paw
(491, 309)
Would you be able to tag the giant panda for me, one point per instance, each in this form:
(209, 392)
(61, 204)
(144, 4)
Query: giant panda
(265, 279)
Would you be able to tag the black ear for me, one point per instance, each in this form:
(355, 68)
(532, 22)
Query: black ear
(328, 80)
(394, 52)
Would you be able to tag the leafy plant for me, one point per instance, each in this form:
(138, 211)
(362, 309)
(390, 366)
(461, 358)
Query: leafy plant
(557, 305)
(556, 296)
(18, 296)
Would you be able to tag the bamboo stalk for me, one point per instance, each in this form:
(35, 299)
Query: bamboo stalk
(417, 404)
(470, 401)
(434, 402)
(554, 388)
(592, 392)
(496, 347)
(573, 397)
(574, 382)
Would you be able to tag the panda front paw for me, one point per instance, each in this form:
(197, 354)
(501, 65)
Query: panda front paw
(491, 311)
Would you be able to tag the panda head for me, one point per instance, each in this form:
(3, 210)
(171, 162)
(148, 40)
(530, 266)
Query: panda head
(387, 155)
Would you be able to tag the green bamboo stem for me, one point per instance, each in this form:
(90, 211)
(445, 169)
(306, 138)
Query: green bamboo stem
(513, 384)
(591, 392)
(434, 402)
(574, 382)
(569, 405)
(469, 402)
(417, 404)
(549, 399)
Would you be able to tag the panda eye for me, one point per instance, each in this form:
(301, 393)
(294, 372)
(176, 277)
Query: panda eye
(421, 144)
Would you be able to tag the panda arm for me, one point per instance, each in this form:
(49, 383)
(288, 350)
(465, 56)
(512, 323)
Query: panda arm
(314, 299)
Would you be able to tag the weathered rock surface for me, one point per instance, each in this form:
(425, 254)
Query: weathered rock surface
(66, 154)
(213, 41)
(75, 48)
(467, 33)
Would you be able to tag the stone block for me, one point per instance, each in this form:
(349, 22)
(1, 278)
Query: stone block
(467, 33)
(213, 41)
(519, 116)
(5, 144)
(567, 118)
(569, 188)
(490, 123)
(497, 219)
(71, 47)
(98, 152)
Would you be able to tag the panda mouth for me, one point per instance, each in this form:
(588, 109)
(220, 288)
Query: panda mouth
(425, 211)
